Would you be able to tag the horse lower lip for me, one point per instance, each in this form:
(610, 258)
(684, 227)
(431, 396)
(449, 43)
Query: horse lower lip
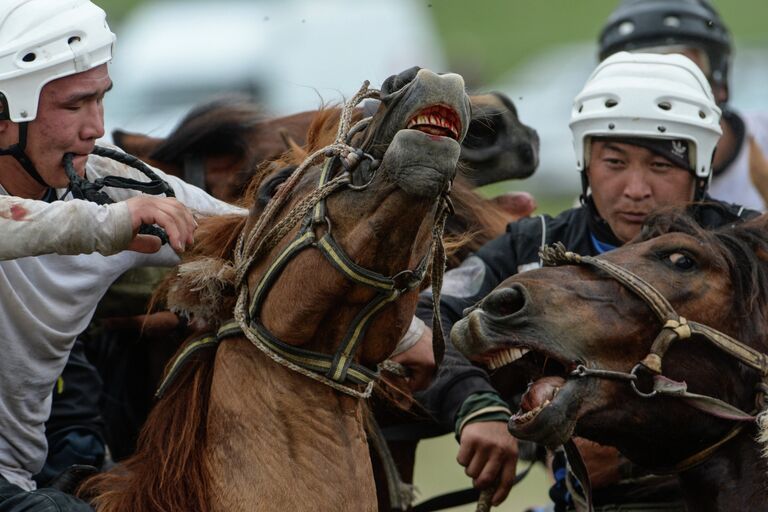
(435, 130)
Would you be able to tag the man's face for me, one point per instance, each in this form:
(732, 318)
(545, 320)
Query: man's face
(628, 182)
(70, 117)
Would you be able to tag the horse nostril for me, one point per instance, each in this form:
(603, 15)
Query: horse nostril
(505, 301)
(526, 154)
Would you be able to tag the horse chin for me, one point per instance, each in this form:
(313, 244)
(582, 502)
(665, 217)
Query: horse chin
(421, 164)
(549, 411)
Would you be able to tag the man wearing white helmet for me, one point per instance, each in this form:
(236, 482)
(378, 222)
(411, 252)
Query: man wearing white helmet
(53, 78)
(645, 128)
(695, 29)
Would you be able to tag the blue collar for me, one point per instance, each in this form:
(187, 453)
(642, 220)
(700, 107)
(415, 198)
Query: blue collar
(601, 247)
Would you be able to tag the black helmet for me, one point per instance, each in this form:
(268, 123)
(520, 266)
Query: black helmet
(638, 24)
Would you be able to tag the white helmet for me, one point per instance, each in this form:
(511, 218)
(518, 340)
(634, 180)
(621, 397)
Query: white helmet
(42, 40)
(648, 96)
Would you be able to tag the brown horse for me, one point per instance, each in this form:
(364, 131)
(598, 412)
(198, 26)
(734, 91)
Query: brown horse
(589, 336)
(268, 423)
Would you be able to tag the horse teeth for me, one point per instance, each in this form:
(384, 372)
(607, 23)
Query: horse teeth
(506, 357)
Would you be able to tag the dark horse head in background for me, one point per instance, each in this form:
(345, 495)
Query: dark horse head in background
(577, 334)
(219, 145)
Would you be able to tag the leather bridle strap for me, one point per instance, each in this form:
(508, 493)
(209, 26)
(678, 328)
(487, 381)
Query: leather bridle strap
(675, 326)
(209, 340)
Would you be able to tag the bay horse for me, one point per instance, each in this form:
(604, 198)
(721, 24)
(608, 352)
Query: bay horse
(323, 278)
(657, 348)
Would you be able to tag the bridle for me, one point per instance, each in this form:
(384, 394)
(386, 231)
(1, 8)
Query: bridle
(674, 328)
(339, 370)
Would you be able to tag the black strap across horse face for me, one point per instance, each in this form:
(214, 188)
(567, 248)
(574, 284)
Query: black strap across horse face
(339, 367)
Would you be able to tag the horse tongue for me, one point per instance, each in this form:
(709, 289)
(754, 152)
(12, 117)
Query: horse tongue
(541, 391)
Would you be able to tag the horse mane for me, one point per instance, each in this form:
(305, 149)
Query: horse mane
(168, 470)
(476, 222)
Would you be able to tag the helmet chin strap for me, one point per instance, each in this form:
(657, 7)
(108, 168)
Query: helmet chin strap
(18, 152)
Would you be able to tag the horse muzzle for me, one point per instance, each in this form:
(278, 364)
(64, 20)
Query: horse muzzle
(421, 164)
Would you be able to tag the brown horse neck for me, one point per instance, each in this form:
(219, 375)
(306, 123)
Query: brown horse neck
(734, 479)
(302, 442)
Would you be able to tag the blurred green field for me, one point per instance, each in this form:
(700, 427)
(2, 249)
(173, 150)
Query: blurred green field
(485, 39)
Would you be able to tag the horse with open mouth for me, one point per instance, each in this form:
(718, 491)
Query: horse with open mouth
(322, 279)
(657, 348)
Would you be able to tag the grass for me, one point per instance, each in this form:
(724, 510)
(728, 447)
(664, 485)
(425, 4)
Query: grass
(437, 472)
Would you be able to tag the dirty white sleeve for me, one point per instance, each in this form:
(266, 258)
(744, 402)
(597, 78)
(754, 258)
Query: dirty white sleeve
(415, 331)
(30, 228)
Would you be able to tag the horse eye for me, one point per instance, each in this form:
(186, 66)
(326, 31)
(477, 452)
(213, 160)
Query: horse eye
(273, 184)
(681, 261)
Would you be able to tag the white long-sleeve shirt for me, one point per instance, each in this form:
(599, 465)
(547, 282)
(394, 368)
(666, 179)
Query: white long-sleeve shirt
(48, 300)
(734, 184)
(29, 227)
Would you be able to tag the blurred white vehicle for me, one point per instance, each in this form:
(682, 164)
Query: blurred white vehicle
(544, 87)
(288, 55)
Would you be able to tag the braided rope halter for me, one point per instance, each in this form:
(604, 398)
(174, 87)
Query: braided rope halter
(339, 370)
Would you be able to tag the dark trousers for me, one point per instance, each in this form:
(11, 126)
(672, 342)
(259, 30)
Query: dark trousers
(75, 428)
(14, 499)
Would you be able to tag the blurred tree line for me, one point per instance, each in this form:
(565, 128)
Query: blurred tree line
(486, 38)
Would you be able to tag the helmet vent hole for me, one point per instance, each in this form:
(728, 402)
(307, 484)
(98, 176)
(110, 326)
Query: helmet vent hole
(626, 28)
(73, 39)
(581, 107)
(662, 129)
(30, 57)
(610, 103)
(665, 105)
(702, 114)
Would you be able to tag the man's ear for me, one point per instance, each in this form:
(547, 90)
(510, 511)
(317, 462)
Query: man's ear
(5, 126)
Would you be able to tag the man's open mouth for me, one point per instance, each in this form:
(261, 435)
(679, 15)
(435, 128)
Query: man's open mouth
(437, 120)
